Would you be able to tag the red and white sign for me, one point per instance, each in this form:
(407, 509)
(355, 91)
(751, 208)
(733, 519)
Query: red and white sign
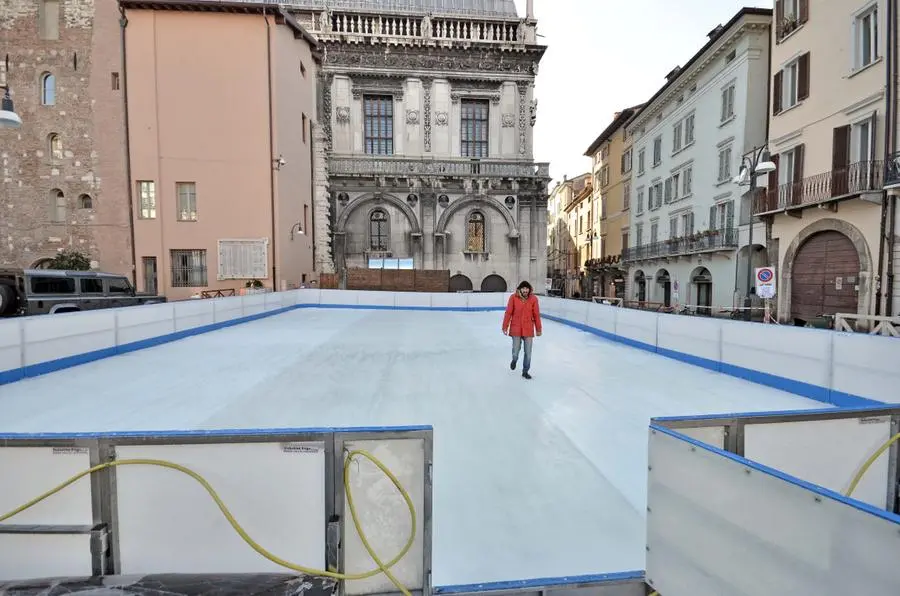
(765, 282)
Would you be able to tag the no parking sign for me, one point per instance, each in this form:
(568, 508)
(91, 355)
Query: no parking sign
(765, 282)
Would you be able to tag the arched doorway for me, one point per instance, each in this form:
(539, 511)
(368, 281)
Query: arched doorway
(640, 286)
(665, 281)
(824, 277)
(493, 283)
(460, 283)
(701, 280)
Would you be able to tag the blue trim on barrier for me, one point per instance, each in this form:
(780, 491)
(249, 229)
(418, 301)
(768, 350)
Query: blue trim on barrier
(814, 392)
(820, 490)
(542, 582)
(771, 413)
(224, 432)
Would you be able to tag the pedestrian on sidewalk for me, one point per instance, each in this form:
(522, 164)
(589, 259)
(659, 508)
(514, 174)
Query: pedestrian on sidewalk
(522, 321)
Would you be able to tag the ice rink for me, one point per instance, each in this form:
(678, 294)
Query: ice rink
(539, 478)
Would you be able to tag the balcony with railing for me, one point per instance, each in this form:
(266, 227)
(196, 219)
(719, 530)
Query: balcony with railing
(701, 242)
(849, 182)
(367, 166)
(892, 171)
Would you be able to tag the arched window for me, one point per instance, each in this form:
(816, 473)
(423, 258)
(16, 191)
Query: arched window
(475, 232)
(55, 145)
(48, 89)
(57, 206)
(85, 202)
(379, 231)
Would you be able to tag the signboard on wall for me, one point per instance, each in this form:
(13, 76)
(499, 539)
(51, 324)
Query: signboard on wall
(765, 282)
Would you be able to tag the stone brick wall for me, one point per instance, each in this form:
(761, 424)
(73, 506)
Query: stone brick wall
(87, 117)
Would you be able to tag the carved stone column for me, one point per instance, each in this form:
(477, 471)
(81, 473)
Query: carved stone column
(426, 112)
(523, 117)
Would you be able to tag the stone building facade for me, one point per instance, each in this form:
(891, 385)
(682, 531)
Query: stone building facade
(64, 183)
(424, 141)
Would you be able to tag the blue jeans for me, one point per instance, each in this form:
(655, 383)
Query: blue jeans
(517, 345)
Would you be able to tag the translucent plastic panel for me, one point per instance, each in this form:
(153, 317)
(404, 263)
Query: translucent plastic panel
(718, 526)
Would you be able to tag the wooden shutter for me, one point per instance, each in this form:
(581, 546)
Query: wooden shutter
(729, 215)
(803, 77)
(840, 160)
(797, 194)
(779, 19)
(777, 92)
(771, 200)
(673, 228)
(712, 217)
(690, 229)
(804, 12)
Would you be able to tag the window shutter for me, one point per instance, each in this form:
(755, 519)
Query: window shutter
(729, 215)
(803, 76)
(779, 19)
(798, 162)
(712, 217)
(673, 228)
(840, 149)
(777, 92)
(804, 11)
(873, 124)
(773, 179)
(690, 229)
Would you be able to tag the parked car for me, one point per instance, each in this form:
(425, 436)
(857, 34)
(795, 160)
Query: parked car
(48, 291)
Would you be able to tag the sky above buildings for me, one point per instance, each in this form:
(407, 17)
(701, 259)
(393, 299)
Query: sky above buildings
(606, 55)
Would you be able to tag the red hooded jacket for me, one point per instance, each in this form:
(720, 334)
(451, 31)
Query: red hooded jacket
(522, 317)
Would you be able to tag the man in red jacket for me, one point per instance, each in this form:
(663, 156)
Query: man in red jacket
(521, 320)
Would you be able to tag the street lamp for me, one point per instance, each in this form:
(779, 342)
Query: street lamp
(759, 162)
(8, 116)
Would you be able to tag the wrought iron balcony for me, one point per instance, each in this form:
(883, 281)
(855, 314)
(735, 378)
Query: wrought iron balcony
(855, 179)
(367, 165)
(706, 241)
(892, 170)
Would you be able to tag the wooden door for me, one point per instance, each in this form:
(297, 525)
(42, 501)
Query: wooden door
(825, 276)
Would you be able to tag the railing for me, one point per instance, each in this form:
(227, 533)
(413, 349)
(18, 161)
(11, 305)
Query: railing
(225, 293)
(856, 178)
(892, 170)
(710, 240)
(487, 8)
(871, 324)
(398, 166)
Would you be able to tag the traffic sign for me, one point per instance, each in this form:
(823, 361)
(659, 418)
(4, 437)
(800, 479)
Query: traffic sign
(765, 282)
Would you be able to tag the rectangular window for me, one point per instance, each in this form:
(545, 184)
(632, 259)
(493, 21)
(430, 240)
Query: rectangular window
(243, 259)
(114, 81)
(150, 277)
(474, 124)
(865, 32)
(724, 164)
(689, 130)
(118, 285)
(624, 240)
(657, 151)
(639, 234)
(626, 195)
(604, 176)
(687, 223)
(654, 233)
(188, 268)
(92, 285)
(146, 190)
(626, 162)
(727, 103)
(640, 201)
(791, 85)
(676, 137)
(186, 193)
(688, 183)
(378, 124)
(789, 16)
(641, 160)
(673, 227)
(721, 216)
(52, 285)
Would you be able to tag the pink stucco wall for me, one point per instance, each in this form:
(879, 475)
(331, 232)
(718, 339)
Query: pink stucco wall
(199, 112)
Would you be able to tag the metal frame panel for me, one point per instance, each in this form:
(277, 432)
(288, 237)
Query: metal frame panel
(102, 448)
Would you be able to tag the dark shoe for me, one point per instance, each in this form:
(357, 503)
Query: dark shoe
(512, 365)
(525, 375)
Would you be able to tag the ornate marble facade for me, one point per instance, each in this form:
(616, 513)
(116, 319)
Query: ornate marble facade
(425, 144)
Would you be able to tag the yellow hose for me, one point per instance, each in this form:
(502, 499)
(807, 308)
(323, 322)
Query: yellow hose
(382, 567)
(865, 467)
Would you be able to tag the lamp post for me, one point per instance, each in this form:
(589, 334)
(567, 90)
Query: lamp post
(758, 162)
(8, 116)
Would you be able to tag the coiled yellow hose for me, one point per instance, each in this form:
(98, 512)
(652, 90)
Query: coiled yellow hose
(382, 567)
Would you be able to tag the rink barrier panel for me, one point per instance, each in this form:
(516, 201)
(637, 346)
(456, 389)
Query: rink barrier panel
(148, 516)
(720, 522)
(625, 583)
(840, 369)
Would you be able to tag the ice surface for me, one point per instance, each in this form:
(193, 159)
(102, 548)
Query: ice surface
(537, 478)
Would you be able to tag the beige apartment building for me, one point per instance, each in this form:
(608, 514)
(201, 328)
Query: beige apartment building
(611, 159)
(568, 213)
(826, 200)
(220, 146)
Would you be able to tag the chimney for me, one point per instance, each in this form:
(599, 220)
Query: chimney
(673, 73)
(529, 10)
(715, 31)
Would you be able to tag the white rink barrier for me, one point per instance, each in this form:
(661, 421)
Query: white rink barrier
(841, 369)
(285, 487)
(756, 504)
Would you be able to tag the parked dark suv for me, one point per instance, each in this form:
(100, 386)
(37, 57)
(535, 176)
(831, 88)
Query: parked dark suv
(48, 291)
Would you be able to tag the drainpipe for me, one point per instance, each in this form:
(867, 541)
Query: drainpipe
(885, 275)
(271, 145)
(123, 23)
